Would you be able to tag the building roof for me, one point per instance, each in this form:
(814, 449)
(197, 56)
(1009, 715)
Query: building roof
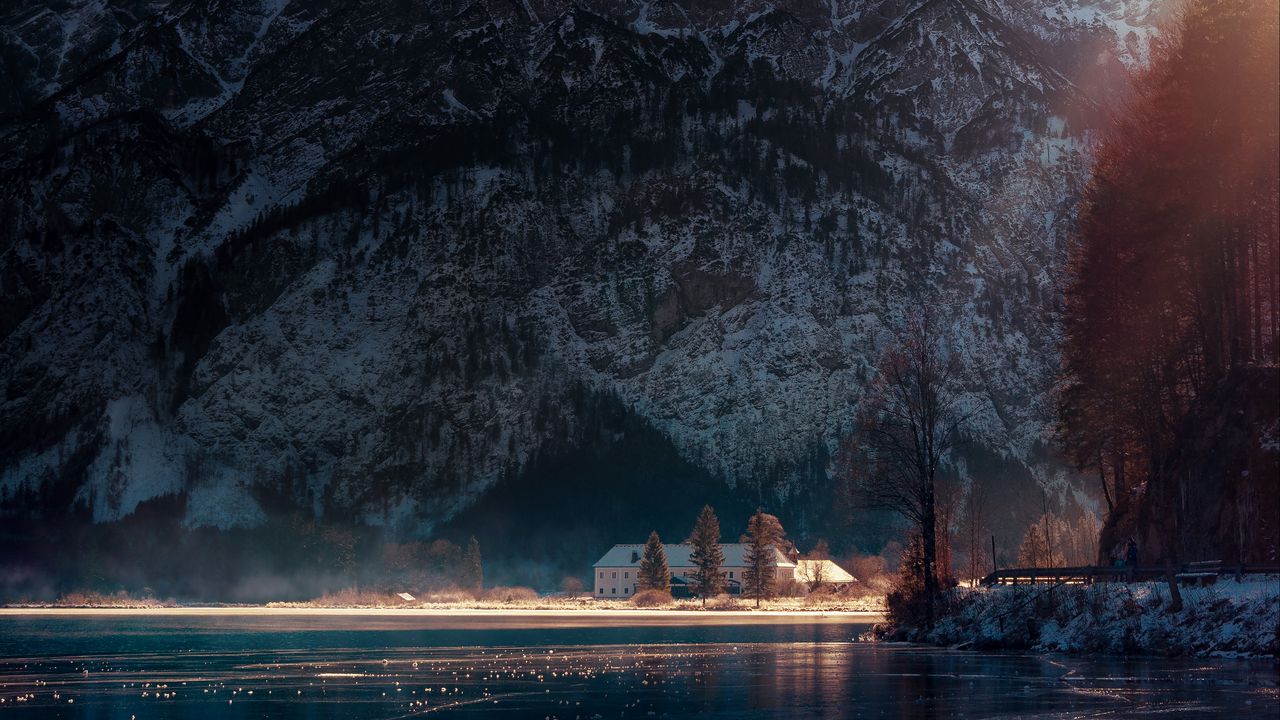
(735, 555)
(825, 570)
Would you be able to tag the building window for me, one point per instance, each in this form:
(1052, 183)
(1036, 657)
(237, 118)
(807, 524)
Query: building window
(601, 591)
(615, 574)
(626, 591)
(626, 575)
(601, 574)
(614, 591)
(730, 573)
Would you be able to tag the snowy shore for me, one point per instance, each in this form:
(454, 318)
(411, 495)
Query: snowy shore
(1228, 619)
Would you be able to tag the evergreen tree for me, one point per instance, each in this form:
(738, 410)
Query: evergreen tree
(707, 556)
(472, 566)
(1173, 294)
(764, 532)
(654, 574)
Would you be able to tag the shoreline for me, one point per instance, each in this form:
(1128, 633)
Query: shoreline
(1227, 619)
(426, 612)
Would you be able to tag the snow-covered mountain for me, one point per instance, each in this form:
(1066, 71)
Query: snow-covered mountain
(374, 256)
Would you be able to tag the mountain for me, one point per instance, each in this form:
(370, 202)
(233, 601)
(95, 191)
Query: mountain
(379, 260)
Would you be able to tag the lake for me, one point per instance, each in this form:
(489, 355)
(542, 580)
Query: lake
(542, 665)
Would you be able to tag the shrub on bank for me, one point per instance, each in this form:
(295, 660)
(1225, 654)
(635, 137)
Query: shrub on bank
(906, 609)
(651, 598)
(873, 576)
(724, 602)
(821, 596)
(118, 599)
(504, 594)
(448, 596)
(350, 597)
(791, 589)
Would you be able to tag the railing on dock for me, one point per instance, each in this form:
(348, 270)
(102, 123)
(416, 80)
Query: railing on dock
(1088, 575)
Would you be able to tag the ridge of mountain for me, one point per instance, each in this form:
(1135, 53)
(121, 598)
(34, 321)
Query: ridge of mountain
(379, 257)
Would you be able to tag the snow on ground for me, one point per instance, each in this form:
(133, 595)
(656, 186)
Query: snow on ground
(1133, 23)
(1228, 619)
(140, 460)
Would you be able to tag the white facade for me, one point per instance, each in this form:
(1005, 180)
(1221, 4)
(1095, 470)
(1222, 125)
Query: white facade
(616, 574)
(615, 582)
(822, 571)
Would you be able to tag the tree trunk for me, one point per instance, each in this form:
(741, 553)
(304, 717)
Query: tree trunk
(1102, 478)
(928, 536)
(1175, 597)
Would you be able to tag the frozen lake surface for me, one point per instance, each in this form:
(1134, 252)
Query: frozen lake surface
(541, 665)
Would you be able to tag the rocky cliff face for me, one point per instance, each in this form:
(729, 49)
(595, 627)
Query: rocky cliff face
(370, 258)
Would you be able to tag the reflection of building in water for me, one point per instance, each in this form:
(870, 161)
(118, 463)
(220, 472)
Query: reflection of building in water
(814, 670)
(616, 574)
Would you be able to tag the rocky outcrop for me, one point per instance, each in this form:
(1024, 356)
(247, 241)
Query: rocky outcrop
(367, 254)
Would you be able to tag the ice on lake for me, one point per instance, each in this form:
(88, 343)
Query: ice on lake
(358, 667)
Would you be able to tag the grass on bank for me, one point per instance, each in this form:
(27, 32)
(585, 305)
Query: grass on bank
(524, 598)
(792, 598)
(119, 599)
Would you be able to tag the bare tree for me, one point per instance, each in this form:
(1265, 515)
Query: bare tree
(909, 420)
(815, 573)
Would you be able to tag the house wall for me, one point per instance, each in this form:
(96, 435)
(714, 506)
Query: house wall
(731, 574)
(620, 583)
(615, 582)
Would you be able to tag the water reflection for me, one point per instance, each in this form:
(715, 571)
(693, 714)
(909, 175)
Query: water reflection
(220, 668)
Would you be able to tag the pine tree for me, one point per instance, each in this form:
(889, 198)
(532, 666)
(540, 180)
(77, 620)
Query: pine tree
(764, 532)
(707, 556)
(654, 573)
(472, 566)
(1172, 295)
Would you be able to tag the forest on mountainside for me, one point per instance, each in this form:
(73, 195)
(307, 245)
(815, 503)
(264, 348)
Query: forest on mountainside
(1170, 393)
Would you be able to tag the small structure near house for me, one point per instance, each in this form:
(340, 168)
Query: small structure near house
(616, 574)
(823, 573)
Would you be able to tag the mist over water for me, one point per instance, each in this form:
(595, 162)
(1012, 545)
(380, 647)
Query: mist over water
(362, 667)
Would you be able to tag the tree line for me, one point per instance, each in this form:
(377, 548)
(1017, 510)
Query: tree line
(764, 539)
(1172, 312)
(1172, 333)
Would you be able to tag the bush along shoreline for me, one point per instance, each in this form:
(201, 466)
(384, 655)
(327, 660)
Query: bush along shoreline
(1228, 619)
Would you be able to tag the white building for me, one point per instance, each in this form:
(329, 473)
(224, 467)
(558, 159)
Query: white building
(822, 572)
(617, 573)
